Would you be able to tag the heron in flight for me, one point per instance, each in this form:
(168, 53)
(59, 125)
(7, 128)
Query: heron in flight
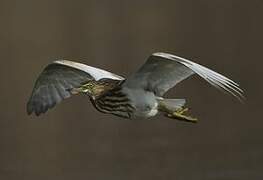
(140, 95)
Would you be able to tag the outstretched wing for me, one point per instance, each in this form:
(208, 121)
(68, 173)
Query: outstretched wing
(163, 71)
(52, 85)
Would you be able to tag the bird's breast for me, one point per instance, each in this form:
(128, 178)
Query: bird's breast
(144, 102)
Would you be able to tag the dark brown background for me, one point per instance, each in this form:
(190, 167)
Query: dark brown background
(74, 141)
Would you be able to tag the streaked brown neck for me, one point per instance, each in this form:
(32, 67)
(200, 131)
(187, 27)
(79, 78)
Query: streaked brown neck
(103, 86)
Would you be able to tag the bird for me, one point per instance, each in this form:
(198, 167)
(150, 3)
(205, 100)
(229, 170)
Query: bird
(140, 95)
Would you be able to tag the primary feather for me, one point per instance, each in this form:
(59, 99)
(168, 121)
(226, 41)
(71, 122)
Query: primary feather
(163, 71)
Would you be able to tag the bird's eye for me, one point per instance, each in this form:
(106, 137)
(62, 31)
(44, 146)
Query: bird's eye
(91, 85)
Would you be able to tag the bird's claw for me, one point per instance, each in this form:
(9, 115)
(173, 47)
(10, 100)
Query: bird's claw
(179, 115)
(182, 110)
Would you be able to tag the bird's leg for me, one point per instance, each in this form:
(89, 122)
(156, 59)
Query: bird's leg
(178, 114)
(182, 110)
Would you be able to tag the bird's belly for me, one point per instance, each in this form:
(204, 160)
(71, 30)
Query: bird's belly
(146, 112)
(144, 102)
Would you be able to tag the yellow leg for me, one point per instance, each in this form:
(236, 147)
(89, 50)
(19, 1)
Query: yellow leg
(182, 110)
(179, 115)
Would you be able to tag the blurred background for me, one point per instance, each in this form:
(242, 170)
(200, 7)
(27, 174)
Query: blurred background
(74, 141)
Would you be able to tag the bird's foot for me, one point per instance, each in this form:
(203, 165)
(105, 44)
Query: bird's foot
(182, 110)
(179, 114)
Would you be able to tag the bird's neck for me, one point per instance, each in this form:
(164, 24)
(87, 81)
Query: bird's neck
(101, 89)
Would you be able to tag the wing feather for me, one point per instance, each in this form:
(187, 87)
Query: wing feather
(52, 85)
(163, 71)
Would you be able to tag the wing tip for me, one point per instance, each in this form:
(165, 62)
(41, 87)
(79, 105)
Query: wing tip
(241, 97)
(234, 88)
(29, 112)
(36, 112)
(29, 107)
(32, 108)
